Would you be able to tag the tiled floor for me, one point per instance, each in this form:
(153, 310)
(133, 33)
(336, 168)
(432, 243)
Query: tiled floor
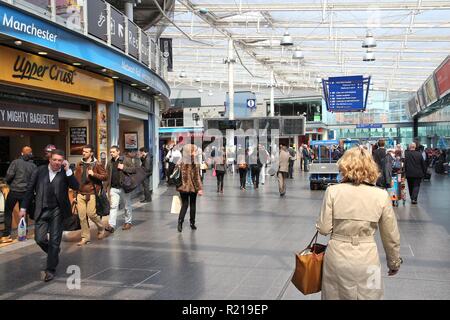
(243, 249)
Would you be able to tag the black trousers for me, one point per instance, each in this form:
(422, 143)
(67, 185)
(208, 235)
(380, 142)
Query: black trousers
(291, 169)
(146, 188)
(50, 222)
(220, 175)
(243, 176)
(170, 171)
(188, 199)
(255, 176)
(414, 187)
(10, 203)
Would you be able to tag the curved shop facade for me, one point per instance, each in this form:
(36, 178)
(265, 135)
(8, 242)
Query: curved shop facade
(57, 86)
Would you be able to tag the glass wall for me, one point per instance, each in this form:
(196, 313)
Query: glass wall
(311, 108)
(434, 129)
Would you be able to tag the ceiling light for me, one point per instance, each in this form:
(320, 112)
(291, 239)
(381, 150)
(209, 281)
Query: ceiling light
(42, 53)
(134, 85)
(286, 40)
(200, 90)
(369, 56)
(104, 70)
(298, 54)
(369, 41)
(183, 74)
(197, 79)
(76, 64)
(18, 43)
(210, 93)
(115, 77)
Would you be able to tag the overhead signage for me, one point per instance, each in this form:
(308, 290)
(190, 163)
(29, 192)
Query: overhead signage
(35, 71)
(15, 116)
(443, 78)
(251, 103)
(145, 48)
(293, 126)
(78, 139)
(139, 99)
(413, 105)
(117, 29)
(369, 126)
(430, 91)
(96, 14)
(133, 39)
(54, 37)
(166, 48)
(346, 93)
(421, 97)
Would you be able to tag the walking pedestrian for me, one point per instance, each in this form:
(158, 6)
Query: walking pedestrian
(147, 166)
(283, 169)
(50, 187)
(242, 161)
(415, 170)
(220, 169)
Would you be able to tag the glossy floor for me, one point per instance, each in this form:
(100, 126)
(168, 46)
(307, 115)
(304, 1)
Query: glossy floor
(243, 249)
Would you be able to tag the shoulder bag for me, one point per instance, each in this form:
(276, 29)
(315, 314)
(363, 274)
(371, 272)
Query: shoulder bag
(102, 205)
(176, 178)
(307, 275)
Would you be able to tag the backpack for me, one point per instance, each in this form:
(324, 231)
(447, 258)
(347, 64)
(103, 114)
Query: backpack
(397, 164)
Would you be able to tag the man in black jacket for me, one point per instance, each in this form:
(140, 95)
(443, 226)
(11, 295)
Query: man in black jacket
(415, 170)
(147, 165)
(378, 155)
(17, 177)
(51, 185)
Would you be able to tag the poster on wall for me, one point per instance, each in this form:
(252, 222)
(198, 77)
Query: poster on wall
(102, 132)
(78, 139)
(131, 140)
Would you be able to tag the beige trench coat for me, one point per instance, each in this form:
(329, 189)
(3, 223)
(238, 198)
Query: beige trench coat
(351, 268)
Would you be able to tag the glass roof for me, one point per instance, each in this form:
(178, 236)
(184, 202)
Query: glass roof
(412, 37)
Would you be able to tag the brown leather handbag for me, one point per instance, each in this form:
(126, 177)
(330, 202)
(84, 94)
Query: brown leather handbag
(307, 276)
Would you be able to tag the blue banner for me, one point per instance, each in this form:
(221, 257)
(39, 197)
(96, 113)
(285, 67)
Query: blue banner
(26, 27)
(323, 142)
(369, 126)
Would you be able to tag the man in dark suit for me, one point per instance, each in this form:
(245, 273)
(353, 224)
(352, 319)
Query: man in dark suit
(378, 155)
(147, 165)
(51, 185)
(415, 170)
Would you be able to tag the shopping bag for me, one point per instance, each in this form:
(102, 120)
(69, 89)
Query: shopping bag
(214, 173)
(176, 205)
(22, 230)
(307, 275)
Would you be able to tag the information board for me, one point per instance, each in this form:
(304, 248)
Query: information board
(346, 94)
(78, 139)
(430, 91)
(421, 97)
(413, 105)
(293, 126)
(443, 78)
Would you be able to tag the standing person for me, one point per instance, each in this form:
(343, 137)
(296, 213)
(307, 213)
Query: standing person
(378, 156)
(220, 167)
(255, 166)
(117, 168)
(415, 170)
(306, 157)
(147, 165)
(283, 169)
(387, 165)
(51, 185)
(17, 177)
(265, 157)
(292, 158)
(191, 185)
(351, 212)
(242, 161)
(300, 156)
(173, 156)
(89, 174)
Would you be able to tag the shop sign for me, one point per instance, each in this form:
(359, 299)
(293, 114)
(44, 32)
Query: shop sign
(139, 99)
(117, 29)
(133, 39)
(13, 116)
(145, 48)
(31, 70)
(102, 132)
(97, 26)
(78, 139)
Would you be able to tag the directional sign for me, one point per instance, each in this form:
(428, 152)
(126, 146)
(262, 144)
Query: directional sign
(346, 93)
(133, 40)
(97, 25)
(251, 103)
(117, 29)
(145, 49)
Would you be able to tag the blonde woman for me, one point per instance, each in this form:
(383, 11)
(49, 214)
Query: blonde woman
(191, 185)
(351, 212)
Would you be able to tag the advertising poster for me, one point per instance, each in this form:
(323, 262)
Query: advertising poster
(102, 132)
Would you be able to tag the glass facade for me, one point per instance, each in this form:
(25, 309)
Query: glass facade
(434, 129)
(311, 108)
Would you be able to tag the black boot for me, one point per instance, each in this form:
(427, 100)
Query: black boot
(193, 227)
(180, 226)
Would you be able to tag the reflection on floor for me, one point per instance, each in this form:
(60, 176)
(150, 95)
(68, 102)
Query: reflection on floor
(243, 249)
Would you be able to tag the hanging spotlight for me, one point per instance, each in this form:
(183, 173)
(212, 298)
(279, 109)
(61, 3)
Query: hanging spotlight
(210, 93)
(286, 40)
(200, 90)
(197, 79)
(298, 54)
(183, 74)
(369, 41)
(369, 56)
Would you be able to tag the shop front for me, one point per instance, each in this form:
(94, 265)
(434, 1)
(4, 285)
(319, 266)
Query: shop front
(45, 102)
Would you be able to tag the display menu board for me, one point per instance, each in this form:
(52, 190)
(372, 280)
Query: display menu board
(78, 139)
(346, 93)
(421, 97)
(443, 78)
(429, 91)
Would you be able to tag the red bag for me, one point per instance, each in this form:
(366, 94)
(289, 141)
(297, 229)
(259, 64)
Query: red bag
(214, 172)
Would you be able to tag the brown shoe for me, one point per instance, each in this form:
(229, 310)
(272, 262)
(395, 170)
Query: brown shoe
(101, 234)
(83, 242)
(126, 226)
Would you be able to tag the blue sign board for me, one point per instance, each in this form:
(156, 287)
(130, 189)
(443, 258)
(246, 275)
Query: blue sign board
(369, 126)
(323, 142)
(345, 94)
(251, 103)
(26, 27)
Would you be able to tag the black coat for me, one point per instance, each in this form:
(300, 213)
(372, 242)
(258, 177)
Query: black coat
(378, 156)
(414, 164)
(62, 184)
(147, 164)
(19, 174)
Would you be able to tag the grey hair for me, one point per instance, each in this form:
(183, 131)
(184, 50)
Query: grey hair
(412, 146)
